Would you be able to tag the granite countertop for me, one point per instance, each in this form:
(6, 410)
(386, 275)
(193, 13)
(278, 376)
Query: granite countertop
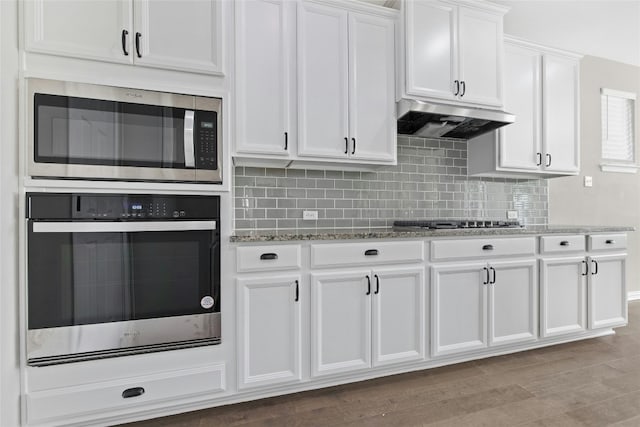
(390, 233)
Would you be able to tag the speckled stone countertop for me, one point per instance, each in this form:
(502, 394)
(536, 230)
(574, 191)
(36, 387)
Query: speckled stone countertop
(390, 233)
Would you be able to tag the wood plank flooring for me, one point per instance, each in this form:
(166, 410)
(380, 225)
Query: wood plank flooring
(594, 382)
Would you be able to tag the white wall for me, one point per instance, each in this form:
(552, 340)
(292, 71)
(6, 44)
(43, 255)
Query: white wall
(608, 29)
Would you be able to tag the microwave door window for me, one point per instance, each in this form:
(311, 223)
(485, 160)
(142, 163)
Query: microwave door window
(75, 131)
(152, 136)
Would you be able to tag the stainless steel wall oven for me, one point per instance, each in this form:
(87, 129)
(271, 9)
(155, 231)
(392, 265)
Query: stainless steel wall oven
(113, 274)
(84, 131)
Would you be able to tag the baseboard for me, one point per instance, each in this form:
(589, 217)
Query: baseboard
(632, 296)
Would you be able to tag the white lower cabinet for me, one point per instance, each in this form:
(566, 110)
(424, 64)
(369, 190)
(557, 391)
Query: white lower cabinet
(563, 295)
(363, 318)
(269, 324)
(478, 304)
(607, 292)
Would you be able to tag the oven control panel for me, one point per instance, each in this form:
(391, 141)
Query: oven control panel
(121, 207)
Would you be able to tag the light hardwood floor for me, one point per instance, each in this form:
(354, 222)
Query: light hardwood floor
(594, 382)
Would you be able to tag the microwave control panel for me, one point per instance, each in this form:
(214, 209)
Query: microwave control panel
(121, 207)
(207, 136)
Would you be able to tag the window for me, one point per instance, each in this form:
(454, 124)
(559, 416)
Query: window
(618, 131)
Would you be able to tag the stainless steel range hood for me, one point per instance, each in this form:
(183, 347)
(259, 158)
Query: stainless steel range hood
(434, 120)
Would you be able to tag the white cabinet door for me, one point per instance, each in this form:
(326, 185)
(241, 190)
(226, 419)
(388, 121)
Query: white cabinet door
(480, 57)
(563, 296)
(269, 348)
(520, 143)
(458, 308)
(513, 302)
(182, 35)
(607, 291)
(371, 87)
(323, 95)
(340, 321)
(398, 315)
(431, 46)
(560, 113)
(265, 32)
(83, 29)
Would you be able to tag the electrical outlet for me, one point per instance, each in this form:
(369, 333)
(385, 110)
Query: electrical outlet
(310, 215)
(588, 181)
(512, 214)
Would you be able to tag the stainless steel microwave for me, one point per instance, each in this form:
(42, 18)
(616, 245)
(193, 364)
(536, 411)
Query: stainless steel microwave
(84, 131)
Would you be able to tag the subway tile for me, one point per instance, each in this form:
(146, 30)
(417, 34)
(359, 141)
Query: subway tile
(306, 203)
(266, 203)
(287, 203)
(275, 172)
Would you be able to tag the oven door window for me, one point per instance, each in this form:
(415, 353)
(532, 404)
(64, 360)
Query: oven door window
(96, 132)
(86, 278)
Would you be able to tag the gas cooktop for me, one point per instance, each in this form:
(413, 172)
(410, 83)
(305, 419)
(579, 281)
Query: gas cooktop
(457, 223)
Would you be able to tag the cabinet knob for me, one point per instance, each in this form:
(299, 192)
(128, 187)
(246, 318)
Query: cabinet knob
(548, 160)
(286, 141)
(346, 145)
(464, 88)
(457, 83)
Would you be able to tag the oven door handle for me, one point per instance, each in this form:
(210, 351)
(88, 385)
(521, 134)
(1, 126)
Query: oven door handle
(189, 149)
(121, 227)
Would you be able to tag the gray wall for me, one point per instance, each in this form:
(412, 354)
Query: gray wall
(614, 198)
(430, 181)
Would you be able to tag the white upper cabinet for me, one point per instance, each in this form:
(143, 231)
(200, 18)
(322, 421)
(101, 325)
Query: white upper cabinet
(264, 84)
(560, 113)
(520, 142)
(179, 35)
(372, 122)
(542, 91)
(346, 82)
(480, 56)
(323, 58)
(430, 48)
(101, 29)
(453, 51)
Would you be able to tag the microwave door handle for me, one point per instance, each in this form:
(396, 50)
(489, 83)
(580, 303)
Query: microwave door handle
(189, 151)
(121, 227)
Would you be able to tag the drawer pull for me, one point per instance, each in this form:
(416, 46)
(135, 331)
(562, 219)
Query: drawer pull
(368, 285)
(610, 241)
(268, 256)
(487, 248)
(564, 243)
(486, 280)
(370, 252)
(133, 392)
(492, 282)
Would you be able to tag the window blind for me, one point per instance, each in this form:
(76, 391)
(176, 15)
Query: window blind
(618, 140)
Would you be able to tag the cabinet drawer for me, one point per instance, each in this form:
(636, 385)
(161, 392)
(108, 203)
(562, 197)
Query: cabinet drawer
(347, 254)
(603, 242)
(559, 244)
(475, 248)
(265, 258)
(101, 397)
